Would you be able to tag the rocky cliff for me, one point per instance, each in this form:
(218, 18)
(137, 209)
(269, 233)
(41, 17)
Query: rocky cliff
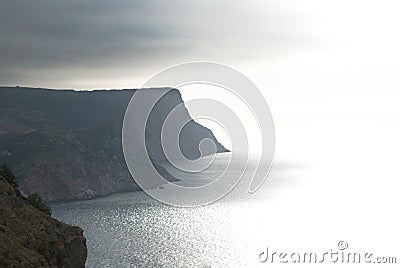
(66, 144)
(31, 238)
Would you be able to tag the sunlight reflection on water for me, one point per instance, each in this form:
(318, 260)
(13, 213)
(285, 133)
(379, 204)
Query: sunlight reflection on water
(131, 230)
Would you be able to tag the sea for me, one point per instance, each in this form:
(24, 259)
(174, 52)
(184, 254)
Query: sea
(134, 230)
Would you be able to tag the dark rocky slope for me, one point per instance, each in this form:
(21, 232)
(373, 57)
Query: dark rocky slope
(31, 238)
(67, 144)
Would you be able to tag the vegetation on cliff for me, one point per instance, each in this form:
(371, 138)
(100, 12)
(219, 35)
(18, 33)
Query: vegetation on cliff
(29, 237)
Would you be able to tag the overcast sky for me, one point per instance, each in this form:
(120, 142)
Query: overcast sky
(102, 43)
(92, 44)
(119, 44)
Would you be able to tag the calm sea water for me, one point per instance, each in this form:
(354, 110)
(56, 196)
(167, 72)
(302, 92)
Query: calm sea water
(134, 230)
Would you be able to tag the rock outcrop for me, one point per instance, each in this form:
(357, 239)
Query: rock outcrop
(31, 238)
(66, 144)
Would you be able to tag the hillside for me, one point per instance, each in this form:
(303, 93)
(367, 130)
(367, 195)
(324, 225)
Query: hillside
(31, 238)
(66, 144)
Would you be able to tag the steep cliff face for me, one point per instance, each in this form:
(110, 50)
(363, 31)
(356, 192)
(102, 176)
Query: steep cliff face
(31, 238)
(67, 144)
(190, 136)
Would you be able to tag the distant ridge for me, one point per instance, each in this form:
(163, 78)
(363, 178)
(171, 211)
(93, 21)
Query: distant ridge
(66, 144)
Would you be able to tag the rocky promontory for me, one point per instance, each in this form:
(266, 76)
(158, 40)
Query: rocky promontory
(66, 144)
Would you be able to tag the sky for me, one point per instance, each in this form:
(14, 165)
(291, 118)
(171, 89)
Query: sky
(120, 44)
(114, 44)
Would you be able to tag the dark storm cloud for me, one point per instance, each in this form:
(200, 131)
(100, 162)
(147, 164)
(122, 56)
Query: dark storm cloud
(68, 36)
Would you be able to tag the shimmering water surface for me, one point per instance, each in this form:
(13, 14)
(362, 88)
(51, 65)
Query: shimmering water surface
(134, 230)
